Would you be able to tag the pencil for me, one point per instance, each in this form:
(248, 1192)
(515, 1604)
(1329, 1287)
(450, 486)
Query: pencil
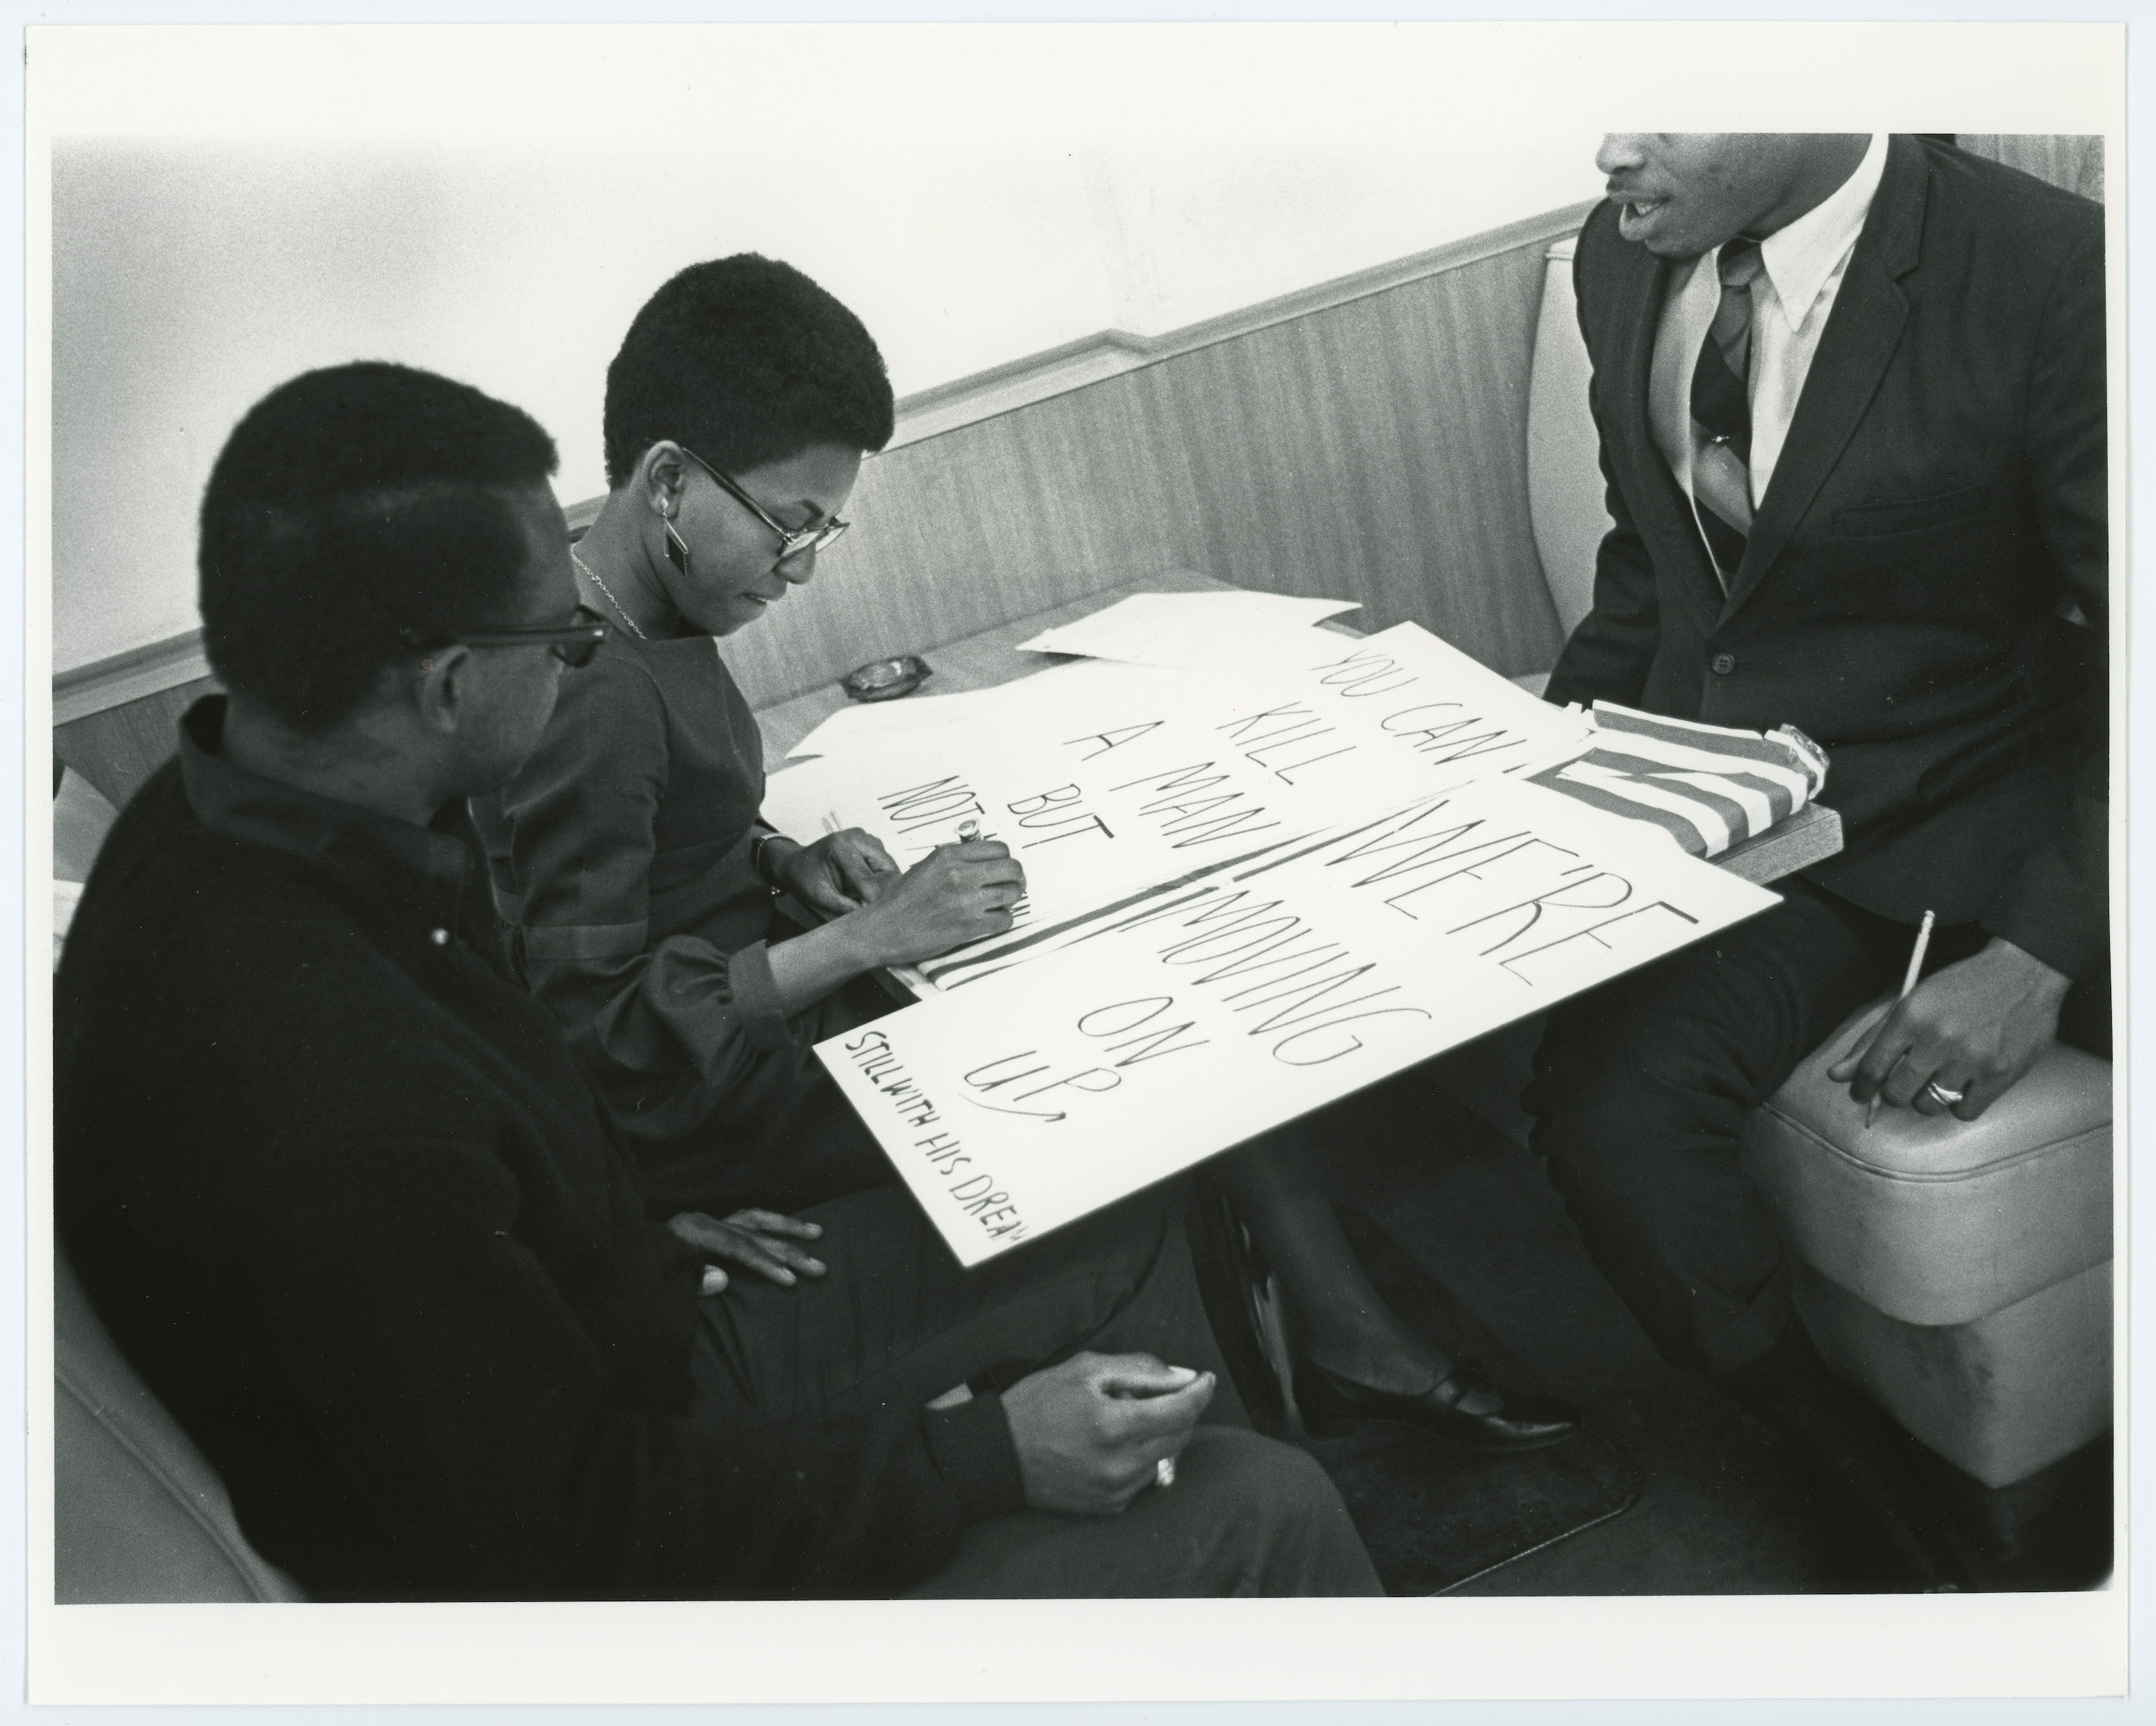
(1917, 954)
(1908, 982)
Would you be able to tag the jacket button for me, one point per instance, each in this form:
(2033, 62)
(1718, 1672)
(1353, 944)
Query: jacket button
(440, 937)
(1722, 664)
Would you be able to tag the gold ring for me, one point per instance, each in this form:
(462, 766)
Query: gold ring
(1163, 1471)
(1941, 1095)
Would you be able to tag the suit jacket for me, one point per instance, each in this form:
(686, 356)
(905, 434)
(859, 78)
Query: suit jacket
(1940, 497)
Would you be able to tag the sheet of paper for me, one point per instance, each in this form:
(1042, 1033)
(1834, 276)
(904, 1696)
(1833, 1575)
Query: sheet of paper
(874, 723)
(1055, 698)
(1188, 628)
(1206, 1015)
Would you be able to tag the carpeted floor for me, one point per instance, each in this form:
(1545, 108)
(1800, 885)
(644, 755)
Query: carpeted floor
(1676, 1490)
(1436, 1516)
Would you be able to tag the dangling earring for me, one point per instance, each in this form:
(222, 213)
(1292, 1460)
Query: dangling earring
(677, 548)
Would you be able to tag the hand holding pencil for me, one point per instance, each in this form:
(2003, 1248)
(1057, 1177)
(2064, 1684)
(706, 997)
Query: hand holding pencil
(1848, 1070)
(1909, 983)
(1957, 1040)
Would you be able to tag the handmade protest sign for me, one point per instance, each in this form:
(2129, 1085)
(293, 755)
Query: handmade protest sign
(1429, 714)
(1106, 776)
(1120, 781)
(1193, 1015)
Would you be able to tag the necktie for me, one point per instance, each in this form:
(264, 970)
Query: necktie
(1721, 413)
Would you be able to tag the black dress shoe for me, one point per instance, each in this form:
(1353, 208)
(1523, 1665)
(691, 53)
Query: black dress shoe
(1519, 1421)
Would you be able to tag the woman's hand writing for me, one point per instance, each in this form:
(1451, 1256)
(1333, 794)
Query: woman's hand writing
(841, 872)
(954, 895)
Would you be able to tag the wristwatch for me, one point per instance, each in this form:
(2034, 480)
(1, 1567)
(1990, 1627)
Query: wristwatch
(757, 847)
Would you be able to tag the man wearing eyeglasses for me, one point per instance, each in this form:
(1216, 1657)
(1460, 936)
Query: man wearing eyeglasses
(346, 1202)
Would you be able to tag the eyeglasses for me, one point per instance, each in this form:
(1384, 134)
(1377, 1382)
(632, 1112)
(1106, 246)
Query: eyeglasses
(792, 543)
(573, 643)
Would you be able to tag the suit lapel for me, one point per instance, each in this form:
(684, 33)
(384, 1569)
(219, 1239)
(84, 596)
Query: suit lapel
(1854, 350)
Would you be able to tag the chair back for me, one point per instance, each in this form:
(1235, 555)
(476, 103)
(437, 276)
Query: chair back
(140, 1515)
(1564, 469)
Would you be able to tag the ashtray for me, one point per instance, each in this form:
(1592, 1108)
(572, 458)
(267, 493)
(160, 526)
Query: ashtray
(886, 679)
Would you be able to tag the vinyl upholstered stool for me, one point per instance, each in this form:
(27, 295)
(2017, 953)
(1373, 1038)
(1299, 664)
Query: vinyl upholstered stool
(1957, 1272)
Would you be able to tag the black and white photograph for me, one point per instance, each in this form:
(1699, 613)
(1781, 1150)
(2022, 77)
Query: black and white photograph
(1036, 861)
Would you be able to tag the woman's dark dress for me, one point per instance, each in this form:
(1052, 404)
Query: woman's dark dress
(620, 856)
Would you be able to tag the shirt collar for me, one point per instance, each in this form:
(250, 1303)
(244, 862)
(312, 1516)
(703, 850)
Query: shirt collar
(433, 871)
(1799, 258)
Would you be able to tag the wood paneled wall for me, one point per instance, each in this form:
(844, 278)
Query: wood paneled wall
(1372, 450)
(117, 748)
(1366, 441)
(1377, 453)
(2064, 159)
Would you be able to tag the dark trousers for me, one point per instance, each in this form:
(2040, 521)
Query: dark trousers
(894, 1322)
(1642, 1088)
(787, 1141)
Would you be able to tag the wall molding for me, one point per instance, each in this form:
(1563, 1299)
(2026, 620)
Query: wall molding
(128, 676)
(123, 677)
(1003, 390)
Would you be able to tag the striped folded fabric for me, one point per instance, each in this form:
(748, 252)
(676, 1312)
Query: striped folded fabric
(1708, 786)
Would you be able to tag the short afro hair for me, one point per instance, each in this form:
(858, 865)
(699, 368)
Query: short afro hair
(351, 504)
(745, 361)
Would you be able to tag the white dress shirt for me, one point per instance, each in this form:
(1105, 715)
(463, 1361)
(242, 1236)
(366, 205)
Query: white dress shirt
(1792, 297)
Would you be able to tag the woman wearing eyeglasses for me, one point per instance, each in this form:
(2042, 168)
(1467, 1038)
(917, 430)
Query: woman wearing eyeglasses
(629, 854)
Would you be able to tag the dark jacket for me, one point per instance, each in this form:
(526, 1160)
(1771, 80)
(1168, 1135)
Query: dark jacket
(1940, 500)
(345, 1200)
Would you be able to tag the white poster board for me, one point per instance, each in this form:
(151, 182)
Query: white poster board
(1142, 1039)
(1104, 777)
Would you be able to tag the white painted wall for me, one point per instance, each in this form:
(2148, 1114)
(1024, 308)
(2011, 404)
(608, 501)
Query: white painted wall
(191, 274)
(229, 206)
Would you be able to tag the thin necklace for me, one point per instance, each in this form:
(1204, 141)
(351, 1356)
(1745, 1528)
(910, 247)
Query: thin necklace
(620, 611)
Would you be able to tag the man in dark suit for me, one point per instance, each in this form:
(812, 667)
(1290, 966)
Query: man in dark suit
(1850, 394)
